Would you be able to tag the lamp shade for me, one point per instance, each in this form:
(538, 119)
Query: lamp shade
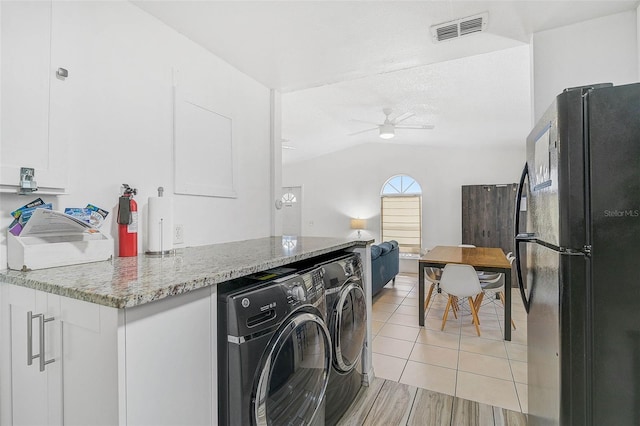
(358, 223)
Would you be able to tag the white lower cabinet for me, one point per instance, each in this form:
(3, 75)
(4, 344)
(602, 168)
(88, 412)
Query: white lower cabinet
(89, 362)
(170, 376)
(151, 364)
(35, 385)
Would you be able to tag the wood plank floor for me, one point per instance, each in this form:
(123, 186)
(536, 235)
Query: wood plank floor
(388, 403)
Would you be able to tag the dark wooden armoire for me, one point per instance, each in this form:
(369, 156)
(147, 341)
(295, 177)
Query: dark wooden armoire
(487, 215)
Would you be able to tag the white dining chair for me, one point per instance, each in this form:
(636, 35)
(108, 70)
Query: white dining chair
(433, 276)
(481, 274)
(491, 284)
(460, 281)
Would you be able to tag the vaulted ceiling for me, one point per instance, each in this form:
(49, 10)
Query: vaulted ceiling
(340, 61)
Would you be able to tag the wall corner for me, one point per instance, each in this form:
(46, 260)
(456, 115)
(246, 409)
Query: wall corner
(275, 100)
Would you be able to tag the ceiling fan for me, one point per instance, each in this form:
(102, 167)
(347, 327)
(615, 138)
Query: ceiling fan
(388, 128)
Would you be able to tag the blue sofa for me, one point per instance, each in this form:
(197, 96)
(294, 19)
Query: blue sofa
(385, 264)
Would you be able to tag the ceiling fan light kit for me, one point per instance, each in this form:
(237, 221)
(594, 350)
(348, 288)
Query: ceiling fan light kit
(387, 131)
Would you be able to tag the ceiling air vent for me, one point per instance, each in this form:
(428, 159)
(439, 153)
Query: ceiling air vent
(460, 27)
(446, 32)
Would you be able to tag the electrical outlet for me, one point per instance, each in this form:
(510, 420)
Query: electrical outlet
(178, 234)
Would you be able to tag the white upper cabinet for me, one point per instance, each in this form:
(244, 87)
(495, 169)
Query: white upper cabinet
(32, 114)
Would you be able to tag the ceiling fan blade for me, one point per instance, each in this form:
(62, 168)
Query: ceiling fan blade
(363, 121)
(402, 117)
(418, 127)
(362, 131)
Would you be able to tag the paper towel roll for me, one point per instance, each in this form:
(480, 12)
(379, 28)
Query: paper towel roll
(160, 225)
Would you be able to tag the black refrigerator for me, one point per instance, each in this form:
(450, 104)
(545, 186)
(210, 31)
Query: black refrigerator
(578, 258)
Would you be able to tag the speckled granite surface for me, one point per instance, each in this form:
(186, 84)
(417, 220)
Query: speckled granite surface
(131, 281)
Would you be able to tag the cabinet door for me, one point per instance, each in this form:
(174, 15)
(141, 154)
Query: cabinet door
(169, 361)
(36, 396)
(489, 229)
(90, 357)
(29, 135)
(505, 205)
(477, 214)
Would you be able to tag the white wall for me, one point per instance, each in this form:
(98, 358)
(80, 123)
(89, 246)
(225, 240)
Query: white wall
(120, 62)
(596, 51)
(347, 184)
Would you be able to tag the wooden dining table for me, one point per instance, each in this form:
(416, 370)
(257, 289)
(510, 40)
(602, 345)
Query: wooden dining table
(481, 258)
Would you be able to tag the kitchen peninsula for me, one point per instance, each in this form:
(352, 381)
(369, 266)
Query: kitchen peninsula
(136, 336)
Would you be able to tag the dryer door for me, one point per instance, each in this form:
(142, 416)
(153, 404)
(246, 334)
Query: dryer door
(349, 326)
(294, 372)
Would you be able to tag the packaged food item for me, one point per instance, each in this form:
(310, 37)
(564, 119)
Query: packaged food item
(98, 215)
(15, 228)
(80, 213)
(25, 215)
(21, 215)
(17, 212)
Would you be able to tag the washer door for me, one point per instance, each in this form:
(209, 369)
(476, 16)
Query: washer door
(295, 372)
(349, 326)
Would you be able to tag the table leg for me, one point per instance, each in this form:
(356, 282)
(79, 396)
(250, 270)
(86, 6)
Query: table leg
(507, 304)
(420, 295)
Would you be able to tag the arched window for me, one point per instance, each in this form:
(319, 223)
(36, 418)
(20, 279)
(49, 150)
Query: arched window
(401, 213)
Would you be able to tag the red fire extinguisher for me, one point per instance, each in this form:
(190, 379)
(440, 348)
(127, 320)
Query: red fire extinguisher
(128, 223)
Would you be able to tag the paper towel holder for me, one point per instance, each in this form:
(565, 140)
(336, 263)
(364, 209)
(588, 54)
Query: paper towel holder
(161, 253)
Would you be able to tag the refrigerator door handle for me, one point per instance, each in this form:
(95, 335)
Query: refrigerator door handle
(516, 219)
(563, 251)
(519, 238)
(586, 251)
(527, 237)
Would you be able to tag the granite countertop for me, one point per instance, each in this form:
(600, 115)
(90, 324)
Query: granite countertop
(130, 281)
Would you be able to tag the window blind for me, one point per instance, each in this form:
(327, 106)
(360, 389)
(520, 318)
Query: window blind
(401, 221)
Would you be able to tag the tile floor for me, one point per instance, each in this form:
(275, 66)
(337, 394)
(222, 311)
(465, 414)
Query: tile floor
(455, 361)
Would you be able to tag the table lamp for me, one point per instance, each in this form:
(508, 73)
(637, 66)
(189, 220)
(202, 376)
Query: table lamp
(358, 224)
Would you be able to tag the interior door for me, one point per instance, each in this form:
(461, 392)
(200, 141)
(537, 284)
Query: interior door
(292, 210)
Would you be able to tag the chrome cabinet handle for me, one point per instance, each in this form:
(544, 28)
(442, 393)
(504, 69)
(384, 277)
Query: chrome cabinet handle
(30, 356)
(41, 340)
(43, 320)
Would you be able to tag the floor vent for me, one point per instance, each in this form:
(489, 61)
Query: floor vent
(460, 27)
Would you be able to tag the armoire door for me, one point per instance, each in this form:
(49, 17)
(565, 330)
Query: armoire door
(505, 200)
(476, 214)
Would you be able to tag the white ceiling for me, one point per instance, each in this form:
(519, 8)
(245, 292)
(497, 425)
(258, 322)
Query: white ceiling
(335, 61)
